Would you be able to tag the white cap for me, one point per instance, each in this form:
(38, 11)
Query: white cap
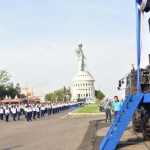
(106, 96)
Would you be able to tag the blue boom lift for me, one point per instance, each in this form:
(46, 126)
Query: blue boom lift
(137, 102)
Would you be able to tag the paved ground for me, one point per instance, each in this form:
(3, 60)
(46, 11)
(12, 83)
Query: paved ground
(49, 133)
(129, 140)
(61, 133)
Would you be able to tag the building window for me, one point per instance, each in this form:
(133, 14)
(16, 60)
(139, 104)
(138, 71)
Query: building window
(81, 84)
(86, 84)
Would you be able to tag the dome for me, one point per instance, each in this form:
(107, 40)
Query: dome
(83, 76)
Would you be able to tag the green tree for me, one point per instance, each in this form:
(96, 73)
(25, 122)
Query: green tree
(64, 89)
(4, 77)
(60, 94)
(3, 92)
(99, 95)
(48, 97)
(11, 91)
(18, 88)
(54, 97)
(7, 87)
(69, 89)
(57, 95)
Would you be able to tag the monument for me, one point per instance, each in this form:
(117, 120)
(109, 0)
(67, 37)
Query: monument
(81, 58)
(83, 82)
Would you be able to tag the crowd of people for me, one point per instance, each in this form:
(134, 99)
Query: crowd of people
(32, 111)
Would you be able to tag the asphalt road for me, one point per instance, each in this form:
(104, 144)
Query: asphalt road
(54, 132)
(57, 132)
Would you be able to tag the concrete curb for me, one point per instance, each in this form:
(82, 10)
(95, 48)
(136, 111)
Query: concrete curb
(73, 114)
(83, 114)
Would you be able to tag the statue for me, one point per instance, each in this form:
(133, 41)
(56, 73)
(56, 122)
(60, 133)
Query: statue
(81, 58)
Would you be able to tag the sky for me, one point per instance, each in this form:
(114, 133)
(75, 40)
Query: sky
(38, 38)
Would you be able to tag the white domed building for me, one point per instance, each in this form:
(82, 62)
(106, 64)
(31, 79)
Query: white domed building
(83, 82)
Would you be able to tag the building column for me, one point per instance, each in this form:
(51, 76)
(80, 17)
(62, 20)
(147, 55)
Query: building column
(74, 93)
(75, 90)
(91, 91)
(82, 93)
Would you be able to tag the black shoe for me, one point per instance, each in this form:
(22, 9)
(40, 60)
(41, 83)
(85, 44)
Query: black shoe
(106, 120)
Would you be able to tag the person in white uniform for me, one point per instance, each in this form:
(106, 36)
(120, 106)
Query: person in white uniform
(18, 111)
(1, 113)
(7, 112)
(34, 112)
(14, 111)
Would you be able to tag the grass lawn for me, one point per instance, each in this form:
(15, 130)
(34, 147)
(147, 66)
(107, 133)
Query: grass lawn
(92, 108)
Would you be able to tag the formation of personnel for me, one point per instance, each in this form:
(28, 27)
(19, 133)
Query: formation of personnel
(32, 111)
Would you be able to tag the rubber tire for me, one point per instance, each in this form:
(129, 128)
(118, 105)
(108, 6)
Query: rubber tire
(148, 127)
(145, 125)
(135, 122)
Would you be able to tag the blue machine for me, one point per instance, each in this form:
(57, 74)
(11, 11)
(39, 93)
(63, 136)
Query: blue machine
(137, 102)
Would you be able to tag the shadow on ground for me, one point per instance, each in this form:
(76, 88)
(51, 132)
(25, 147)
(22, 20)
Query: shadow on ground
(98, 139)
(90, 140)
(125, 144)
(11, 148)
(122, 144)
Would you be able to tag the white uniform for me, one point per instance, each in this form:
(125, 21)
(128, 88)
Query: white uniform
(37, 109)
(1, 110)
(7, 112)
(18, 109)
(34, 108)
(14, 110)
(42, 107)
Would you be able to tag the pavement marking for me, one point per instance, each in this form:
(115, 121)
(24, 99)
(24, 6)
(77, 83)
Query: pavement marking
(64, 116)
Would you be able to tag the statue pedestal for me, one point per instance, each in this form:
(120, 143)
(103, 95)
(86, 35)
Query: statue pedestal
(83, 86)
